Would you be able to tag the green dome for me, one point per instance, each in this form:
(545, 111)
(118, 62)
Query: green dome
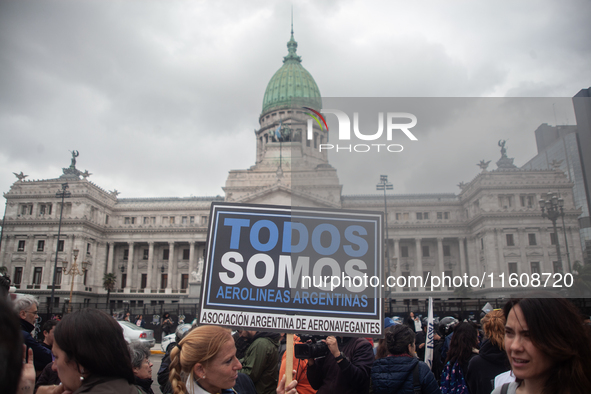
(292, 84)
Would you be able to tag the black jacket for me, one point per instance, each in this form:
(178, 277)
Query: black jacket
(350, 376)
(483, 368)
(144, 384)
(394, 374)
(41, 354)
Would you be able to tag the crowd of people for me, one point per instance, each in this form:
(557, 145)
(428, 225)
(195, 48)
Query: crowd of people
(532, 345)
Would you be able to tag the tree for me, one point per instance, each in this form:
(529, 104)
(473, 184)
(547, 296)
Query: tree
(109, 281)
(462, 291)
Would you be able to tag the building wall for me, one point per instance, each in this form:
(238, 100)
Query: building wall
(559, 147)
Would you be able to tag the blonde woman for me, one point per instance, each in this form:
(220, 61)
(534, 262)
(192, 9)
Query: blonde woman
(205, 362)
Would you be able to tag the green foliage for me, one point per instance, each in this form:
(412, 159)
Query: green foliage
(462, 291)
(109, 282)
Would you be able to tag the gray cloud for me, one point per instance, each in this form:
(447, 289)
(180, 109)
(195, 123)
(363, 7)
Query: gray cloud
(161, 98)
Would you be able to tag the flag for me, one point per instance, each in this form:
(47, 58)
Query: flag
(278, 132)
(429, 339)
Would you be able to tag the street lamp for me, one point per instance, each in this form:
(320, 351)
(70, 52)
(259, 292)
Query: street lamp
(62, 194)
(553, 208)
(384, 185)
(73, 272)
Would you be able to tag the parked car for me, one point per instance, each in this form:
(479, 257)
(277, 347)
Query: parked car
(133, 333)
(170, 339)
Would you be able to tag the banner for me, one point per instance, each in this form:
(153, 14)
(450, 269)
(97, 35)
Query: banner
(429, 341)
(287, 269)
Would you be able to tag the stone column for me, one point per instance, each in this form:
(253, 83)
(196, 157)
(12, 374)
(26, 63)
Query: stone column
(171, 261)
(546, 265)
(472, 258)
(419, 257)
(28, 271)
(93, 266)
(4, 253)
(501, 265)
(522, 239)
(110, 258)
(149, 284)
(463, 266)
(440, 255)
(191, 257)
(49, 247)
(130, 281)
(398, 261)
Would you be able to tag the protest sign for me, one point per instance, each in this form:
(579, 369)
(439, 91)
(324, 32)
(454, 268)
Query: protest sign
(274, 268)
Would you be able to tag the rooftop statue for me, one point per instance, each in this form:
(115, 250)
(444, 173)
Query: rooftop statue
(72, 172)
(483, 165)
(75, 154)
(503, 150)
(20, 176)
(505, 163)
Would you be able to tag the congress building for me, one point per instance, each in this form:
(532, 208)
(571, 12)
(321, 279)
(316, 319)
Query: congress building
(156, 246)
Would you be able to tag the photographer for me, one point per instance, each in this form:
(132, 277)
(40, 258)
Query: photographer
(345, 369)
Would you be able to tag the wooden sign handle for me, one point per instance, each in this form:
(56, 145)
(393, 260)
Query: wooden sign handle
(288, 358)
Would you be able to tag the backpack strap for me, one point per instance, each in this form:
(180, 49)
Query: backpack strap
(504, 388)
(416, 382)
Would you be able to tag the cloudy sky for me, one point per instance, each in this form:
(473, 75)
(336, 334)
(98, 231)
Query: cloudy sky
(161, 98)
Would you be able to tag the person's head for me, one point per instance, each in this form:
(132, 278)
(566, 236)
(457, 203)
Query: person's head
(140, 317)
(88, 343)
(11, 348)
(464, 340)
(4, 286)
(207, 355)
(382, 349)
(493, 325)
(166, 315)
(401, 340)
(26, 307)
(181, 331)
(545, 340)
(248, 335)
(140, 360)
(447, 325)
(48, 328)
(412, 315)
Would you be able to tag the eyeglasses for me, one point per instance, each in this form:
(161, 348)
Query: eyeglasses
(34, 313)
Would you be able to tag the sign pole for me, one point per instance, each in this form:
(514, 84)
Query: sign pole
(288, 358)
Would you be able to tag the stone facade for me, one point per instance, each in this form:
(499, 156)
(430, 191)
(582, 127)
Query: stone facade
(155, 246)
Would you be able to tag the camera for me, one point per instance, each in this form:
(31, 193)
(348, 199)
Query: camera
(315, 349)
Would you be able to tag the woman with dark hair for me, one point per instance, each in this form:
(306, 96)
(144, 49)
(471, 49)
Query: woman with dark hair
(401, 371)
(382, 348)
(492, 359)
(548, 347)
(166, 324)
(461, 350)
(91, 355)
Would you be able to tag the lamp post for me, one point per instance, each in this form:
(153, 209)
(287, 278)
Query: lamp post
(62, 194)
(553, 209)
(384, 185)
(73, 272)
